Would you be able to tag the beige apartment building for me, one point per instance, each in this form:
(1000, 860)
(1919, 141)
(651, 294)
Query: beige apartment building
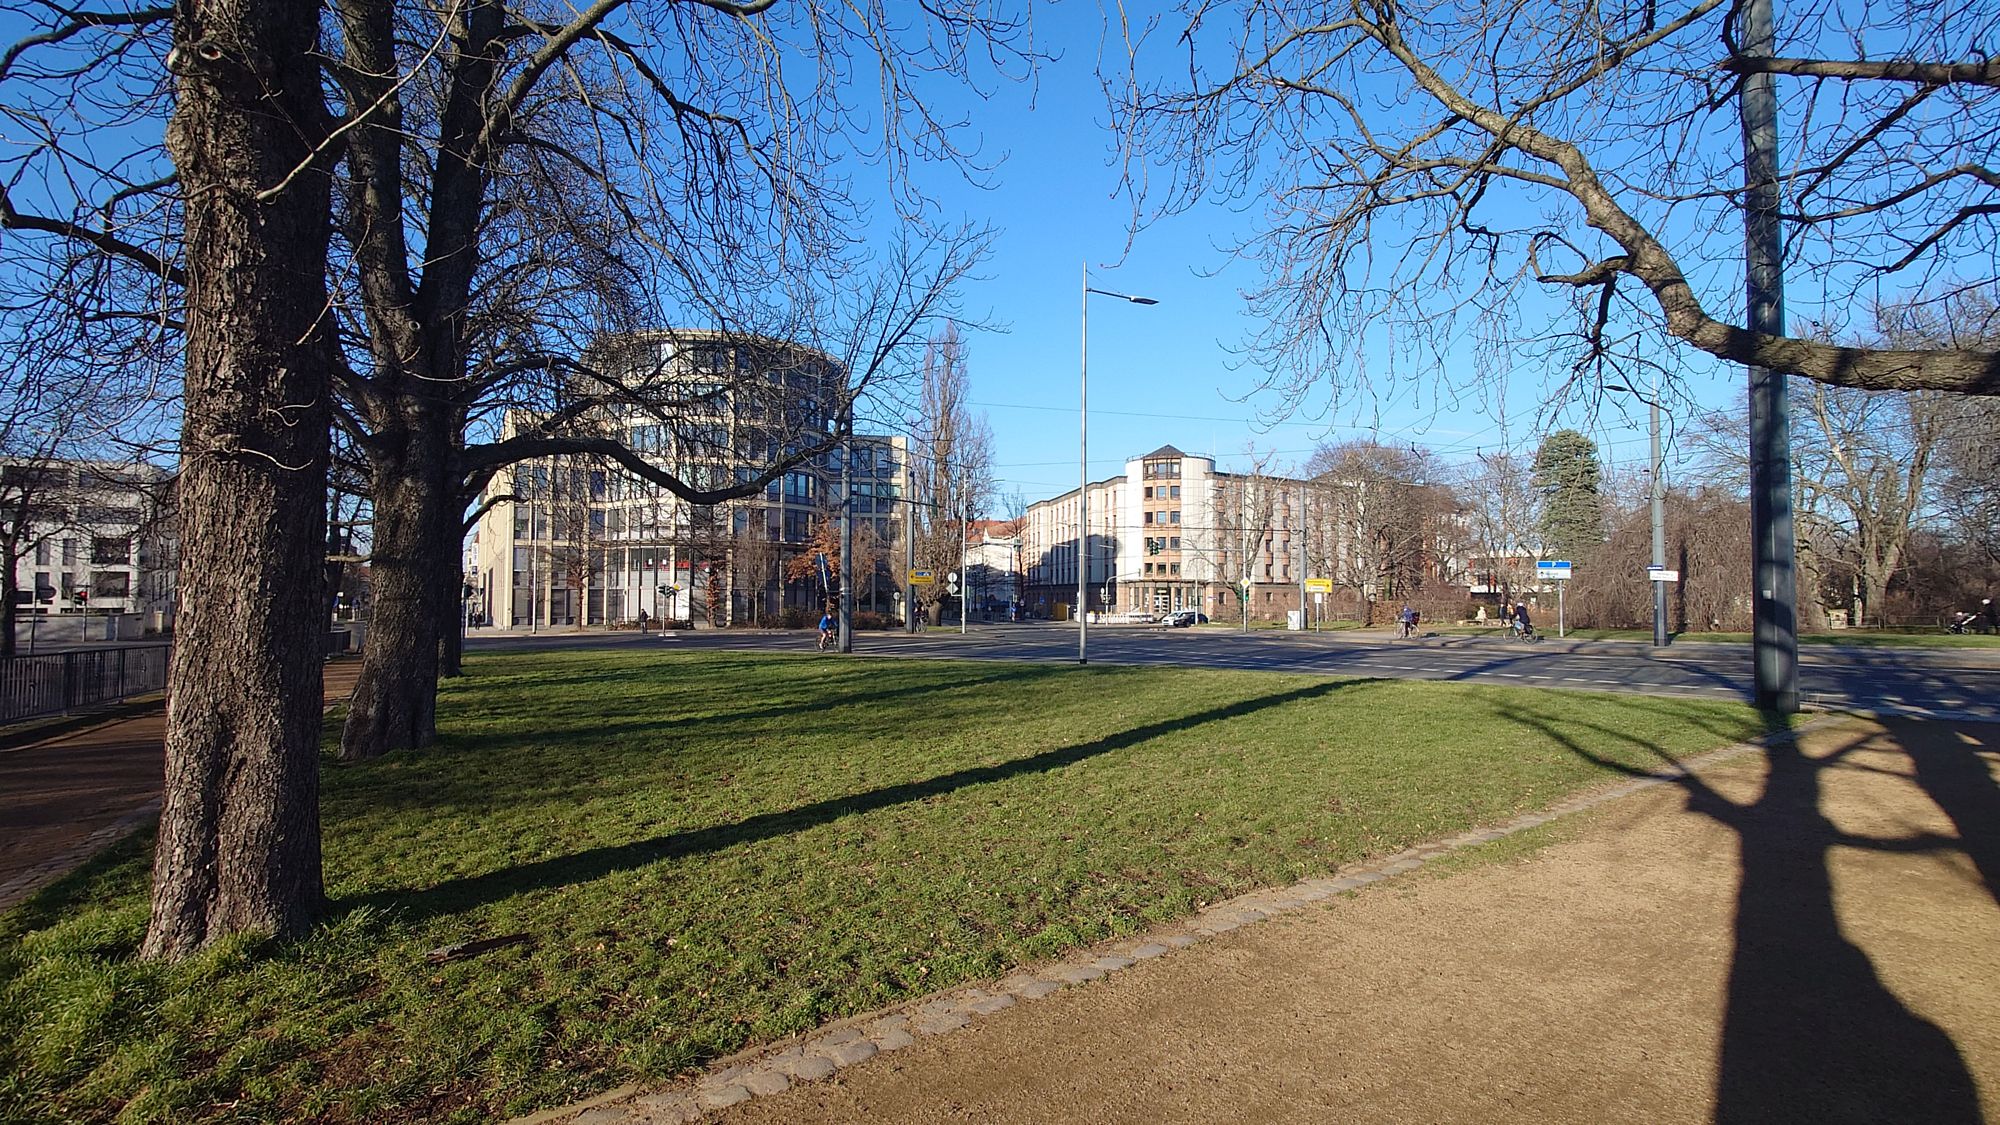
(1173, 532)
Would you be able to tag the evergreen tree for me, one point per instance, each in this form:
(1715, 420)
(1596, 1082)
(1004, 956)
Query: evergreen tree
(1567, 475)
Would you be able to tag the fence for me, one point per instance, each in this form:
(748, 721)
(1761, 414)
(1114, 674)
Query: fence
(58, 682)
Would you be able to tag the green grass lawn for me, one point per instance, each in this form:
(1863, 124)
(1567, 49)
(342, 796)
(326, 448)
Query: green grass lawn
(713, 850)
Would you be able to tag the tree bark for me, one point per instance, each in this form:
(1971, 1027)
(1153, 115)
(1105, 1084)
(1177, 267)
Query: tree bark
(239, 843)
(9, 609)
(414, 554)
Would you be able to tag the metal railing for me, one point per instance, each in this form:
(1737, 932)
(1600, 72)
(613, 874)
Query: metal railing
(56, 683)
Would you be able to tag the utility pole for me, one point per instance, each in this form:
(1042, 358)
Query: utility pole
(1300, 523)
(964, 570)
(1775, 590)
(1659, 525)
(847, 529)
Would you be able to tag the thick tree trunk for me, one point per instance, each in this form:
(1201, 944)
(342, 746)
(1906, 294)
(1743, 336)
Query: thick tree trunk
(415, 543)
(9, 615)
(239, 844)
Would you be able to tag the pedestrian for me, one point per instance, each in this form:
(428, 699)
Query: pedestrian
(642, 620)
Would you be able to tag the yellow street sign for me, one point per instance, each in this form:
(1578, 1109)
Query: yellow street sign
(1319, 585)
(923, 578)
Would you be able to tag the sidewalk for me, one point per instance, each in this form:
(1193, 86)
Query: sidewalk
(68, 796)
(1807, 934)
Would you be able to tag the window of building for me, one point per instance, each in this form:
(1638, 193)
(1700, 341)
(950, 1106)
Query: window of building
(1174, 544)
(522, 561)
(1149, 492)
(69, 552)
(1149, 568)
(110, 584)
(1174, 516)
(1174, 492)
(1174, 567)
(110, 550)
(45, 587)
(42, 553)
(1149, 517)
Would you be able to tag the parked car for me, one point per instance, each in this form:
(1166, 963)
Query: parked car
(1139, 617)
(1182, 618)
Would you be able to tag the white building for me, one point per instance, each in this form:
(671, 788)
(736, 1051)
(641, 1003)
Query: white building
(98, 536)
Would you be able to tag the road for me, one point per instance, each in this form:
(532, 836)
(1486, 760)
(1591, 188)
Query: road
(1935, 683)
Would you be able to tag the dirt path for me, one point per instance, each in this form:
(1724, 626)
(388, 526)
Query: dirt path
(1812, 938)
(62, 796)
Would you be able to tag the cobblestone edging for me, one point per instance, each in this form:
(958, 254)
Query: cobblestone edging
(16, 890)
(816, 1055)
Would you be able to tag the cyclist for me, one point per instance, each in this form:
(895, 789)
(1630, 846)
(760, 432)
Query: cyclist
(1519, 622)
(826, 630)
(1408, 619)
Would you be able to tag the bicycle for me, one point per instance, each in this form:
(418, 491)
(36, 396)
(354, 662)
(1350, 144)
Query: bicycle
(1526, 634)
(826, 640)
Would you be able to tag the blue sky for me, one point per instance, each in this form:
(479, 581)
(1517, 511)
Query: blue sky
(1166, 373)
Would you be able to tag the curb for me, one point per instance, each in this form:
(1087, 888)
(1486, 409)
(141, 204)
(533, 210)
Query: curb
(813, 1056)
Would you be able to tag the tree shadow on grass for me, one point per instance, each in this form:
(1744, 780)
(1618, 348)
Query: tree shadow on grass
(457, 895)
(440, 788)
(1811, 1033)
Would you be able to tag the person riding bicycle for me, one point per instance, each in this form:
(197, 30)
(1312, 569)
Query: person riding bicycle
(1408, 618)
(1519, 623)
(826, 630)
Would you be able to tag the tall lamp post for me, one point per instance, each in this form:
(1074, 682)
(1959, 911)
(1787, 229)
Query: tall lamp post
(1083, 465)
(1659, 511)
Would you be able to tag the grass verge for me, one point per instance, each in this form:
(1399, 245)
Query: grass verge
(706, 851)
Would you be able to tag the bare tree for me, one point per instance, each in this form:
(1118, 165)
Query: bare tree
(1393, 520)
(1434, 162)
(1502, 515)
(953, 449)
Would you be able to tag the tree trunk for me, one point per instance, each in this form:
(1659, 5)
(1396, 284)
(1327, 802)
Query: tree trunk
(395, 698)
(239, 843)
(9, 608)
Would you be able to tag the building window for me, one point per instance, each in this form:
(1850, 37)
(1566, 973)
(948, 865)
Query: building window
(1174, 516)
(1149, 517)
(42, 553)
(1174, 568)
(110, 550)
(110, 584)
(1149, 568)
(1174, 543)
(69, 552)
(1149, 492)
(1175, 492)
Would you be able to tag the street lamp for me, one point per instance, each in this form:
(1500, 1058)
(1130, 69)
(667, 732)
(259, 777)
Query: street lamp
(1083, 465)
(1659, 512)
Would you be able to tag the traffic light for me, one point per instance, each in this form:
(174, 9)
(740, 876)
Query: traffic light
(664, 590)
(81, 595)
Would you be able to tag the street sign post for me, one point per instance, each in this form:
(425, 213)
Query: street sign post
(923, 577)
(1556, 570)
(1662, 574)
(1319, 585)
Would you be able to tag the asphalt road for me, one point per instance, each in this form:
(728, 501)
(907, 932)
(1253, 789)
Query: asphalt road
(1938, 683)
